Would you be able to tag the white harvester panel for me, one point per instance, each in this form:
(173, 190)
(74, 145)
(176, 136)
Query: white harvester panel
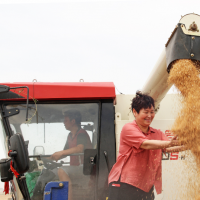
(173, 163)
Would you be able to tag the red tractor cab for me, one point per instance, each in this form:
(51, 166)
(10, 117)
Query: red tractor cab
(46, 133)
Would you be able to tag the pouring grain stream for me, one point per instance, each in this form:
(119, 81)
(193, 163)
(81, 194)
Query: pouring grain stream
(184, 74)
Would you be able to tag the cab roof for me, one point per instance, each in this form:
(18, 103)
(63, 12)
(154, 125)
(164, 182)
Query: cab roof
(64, 90)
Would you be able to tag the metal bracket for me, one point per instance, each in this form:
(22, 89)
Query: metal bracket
(189, 32)
(4, 160)
(10, 112)
(12, 154)
(4, 89)
(92, 160)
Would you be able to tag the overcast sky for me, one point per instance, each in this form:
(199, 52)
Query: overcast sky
(98, 41)
(65, 41)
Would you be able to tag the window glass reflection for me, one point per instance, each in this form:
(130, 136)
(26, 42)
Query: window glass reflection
(59, 134)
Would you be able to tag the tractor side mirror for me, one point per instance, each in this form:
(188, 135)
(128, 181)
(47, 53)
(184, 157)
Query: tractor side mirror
(89, 161)
(19, 153)
(6, 173)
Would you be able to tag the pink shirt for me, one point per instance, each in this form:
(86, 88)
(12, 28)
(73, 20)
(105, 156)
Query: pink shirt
(138, 167)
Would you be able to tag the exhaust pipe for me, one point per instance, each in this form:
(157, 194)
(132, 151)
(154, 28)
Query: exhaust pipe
(156, 85)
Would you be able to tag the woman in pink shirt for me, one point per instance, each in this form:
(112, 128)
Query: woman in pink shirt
(138, 166)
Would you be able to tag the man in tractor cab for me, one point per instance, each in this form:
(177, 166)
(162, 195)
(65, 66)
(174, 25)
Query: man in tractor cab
(77, 140)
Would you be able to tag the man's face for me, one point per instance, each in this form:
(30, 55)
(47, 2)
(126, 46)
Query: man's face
(145, 116)
(68, 123)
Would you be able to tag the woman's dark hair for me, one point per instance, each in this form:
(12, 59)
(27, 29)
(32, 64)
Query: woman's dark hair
(142, 101)
(73, 114)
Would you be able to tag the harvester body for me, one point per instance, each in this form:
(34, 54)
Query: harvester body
(103, 114)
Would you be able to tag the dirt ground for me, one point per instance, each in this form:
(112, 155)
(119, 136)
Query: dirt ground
(5, 197)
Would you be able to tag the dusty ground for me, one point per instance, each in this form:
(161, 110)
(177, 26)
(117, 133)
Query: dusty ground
(5, 197)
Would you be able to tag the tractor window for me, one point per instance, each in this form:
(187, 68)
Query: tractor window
(62, 133)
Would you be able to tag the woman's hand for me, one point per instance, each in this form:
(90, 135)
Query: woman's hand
(57, 155)
(175, 149)
(159, 144)
(174, 142)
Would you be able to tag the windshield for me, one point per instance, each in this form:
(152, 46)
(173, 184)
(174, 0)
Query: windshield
(62, 133)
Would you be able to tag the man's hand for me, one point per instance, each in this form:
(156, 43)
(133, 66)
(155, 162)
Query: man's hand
(57, 155)
(61, 154)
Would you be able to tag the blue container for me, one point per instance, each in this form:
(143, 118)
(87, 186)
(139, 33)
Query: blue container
(56, 191)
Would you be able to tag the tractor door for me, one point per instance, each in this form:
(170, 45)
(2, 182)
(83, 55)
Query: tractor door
(58, 128)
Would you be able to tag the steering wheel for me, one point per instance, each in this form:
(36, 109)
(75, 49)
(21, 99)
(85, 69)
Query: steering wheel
(50, 164)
